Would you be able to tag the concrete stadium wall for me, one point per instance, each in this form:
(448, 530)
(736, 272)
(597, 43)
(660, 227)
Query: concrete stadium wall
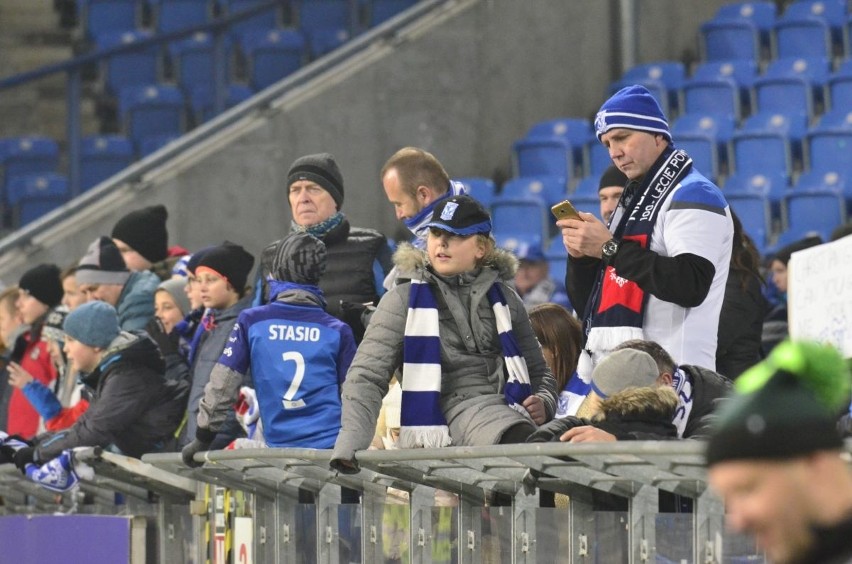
(464, 88)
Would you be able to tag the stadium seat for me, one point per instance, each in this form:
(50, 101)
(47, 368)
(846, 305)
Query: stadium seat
(743, 72)
(550, 189)
(791, 84)
(836, 119)
(586, 188)
(527, 219)
(832, 12)
(802, 37)
(322, 41)
(102, 156)
(382, 10)
(720, 97)
(193, 61)
(770, 184)
(272, 55)
(326, 15)
(152, 143)
(104, 16)
(577, 132)
(670, 74)
(483, 189)
(557, 258)
(202, 104)
(20, 156)
(704, 153)
(544, 156)
(761, 14)
(830, 180)
(840, 87)
(769, 141)
(33, 195)
(814, 210)
(754, 210)
(173, 15)
(829, 148)
(717, 128)
(131, 68)
(265, 20)
(599, 159)
(151, 110)
(730, 39)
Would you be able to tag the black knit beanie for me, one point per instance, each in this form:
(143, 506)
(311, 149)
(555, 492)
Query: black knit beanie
(785, 253)
(144, 231)
(612, 177)
(322, 169)
(231, 261)
(42, 282)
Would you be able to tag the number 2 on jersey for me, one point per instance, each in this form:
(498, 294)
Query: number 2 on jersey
(288, 401)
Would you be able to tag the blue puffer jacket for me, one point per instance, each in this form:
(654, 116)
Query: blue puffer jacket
(135, 306)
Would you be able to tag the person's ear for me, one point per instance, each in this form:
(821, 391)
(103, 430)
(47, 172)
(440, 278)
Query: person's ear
(423, 194)
(665, 379)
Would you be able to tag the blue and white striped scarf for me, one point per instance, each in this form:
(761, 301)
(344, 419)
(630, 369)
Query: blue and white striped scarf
(423, 422)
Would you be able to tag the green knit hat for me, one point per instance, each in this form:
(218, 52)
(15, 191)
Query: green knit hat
(786, 406)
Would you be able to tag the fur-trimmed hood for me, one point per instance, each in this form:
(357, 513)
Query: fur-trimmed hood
(650, 402)
(410, 260)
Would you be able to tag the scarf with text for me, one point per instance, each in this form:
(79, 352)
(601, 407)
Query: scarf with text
(617, 306)
(685, 394)
(423, 422)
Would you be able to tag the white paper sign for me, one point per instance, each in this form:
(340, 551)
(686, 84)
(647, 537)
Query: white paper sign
(819, 294)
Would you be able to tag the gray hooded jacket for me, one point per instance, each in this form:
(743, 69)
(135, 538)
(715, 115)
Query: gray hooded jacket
(471, 356)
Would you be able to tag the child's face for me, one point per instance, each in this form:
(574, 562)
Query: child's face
(193, 292)
(166, 310)
(10, 320)
(72, 297)
(453, 254)
(86, 358)
(29, 307)
(215, 290)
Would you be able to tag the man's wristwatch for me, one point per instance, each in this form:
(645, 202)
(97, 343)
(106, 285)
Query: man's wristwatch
(609, 249)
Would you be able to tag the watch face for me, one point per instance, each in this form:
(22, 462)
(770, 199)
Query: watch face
(610, 248)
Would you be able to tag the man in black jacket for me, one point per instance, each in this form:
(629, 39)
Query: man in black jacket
(134, 408)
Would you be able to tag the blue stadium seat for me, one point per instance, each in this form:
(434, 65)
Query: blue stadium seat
(743, 72)
(720, 97)
(717, 128)
(193, 61)
(704, 153)
(670, 74)
(769, 141)
(836, 119)
(272, 55)
(587, 187)
(20, 156)
(802, 37)
(201, 101)
(829, 148)
(550, 189)
(544, 156)
(33, 195)
(327, 24)
(132, 68)
(267, 19)
(826, 181)
(599, 159)
(791, 84)
(577, 132)
(526, 219)
(814, 210)
(840, 87)
(382, 10)
(770, 184)
(103, 16)
(151, 110)
(761, 14)
(730, 39)
(483, 189)
(102, 156)
(754, 210)
(173, 15)
(557, 258)
(152, 143)
(832, 12)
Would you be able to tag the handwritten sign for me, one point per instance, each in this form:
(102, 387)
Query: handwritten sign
(819, 294)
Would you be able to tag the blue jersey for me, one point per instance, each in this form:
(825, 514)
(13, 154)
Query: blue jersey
(298, 355)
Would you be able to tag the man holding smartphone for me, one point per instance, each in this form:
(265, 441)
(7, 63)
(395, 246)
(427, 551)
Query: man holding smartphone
(659, 271)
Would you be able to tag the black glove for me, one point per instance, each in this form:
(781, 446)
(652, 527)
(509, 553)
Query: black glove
(344, 466)
(24, 456)
(188, 452)
(552, 430)
(168, 343)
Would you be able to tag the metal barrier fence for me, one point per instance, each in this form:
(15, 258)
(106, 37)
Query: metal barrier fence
(458, 504)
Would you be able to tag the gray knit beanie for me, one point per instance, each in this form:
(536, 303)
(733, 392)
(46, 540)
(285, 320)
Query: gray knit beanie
(300, 258)
(94, 324)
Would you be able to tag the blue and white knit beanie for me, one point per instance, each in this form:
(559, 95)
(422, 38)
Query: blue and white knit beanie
(94, 324)
(632, 107)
